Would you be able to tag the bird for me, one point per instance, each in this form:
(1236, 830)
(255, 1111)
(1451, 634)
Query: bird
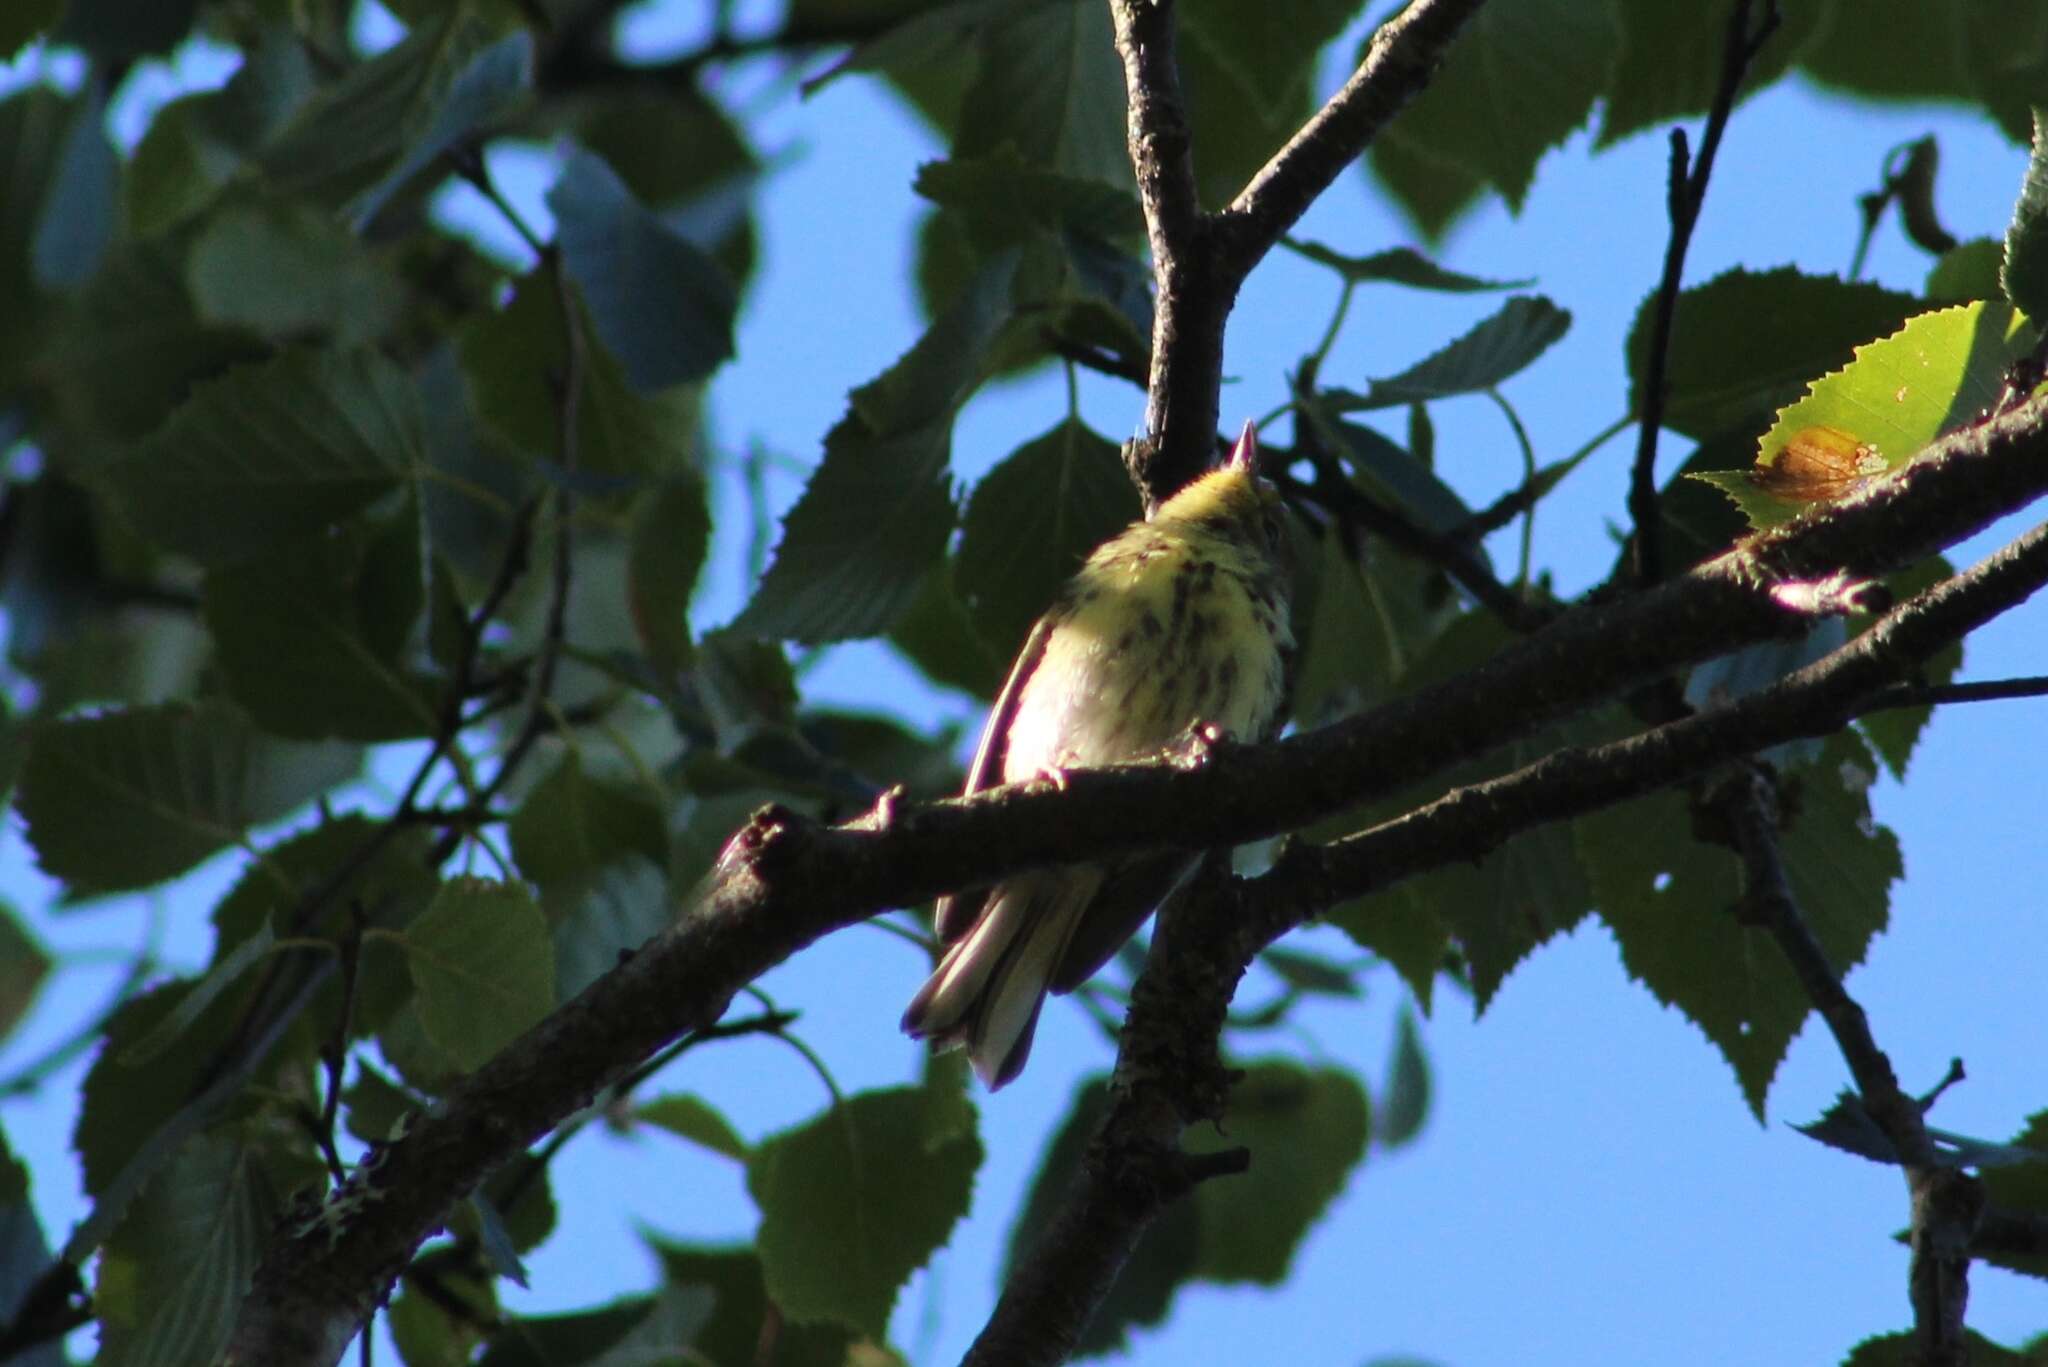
(1179, 623)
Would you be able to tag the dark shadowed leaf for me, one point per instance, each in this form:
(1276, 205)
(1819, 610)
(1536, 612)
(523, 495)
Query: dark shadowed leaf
(1004, 192)
(1746, 341)
(1404, 1102)
(513, 361)
(270, 452)
(856, 1200)
(1270, 48)
(573, 823)
(177, 782)
(662, 306)
(183, 1258)
(24, 963)
(1523, 329)
(1306, 1130)
(1672, 902)
(875, 517)
(742, 1311)
(482, 965)
(1030, 523)
(23, 21)
(1399, 266)
(24, 1255)
(1521, 77)
(692, 1118)
(290, 273)
(1670, 61)
(79, 214)
(2024, 276)
(667, 543)
(311, 637)
(117, 30)
(363, 136)
(1050, 85)
(641, 1331)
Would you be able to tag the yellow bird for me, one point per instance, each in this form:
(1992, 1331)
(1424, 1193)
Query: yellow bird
(1178, 621)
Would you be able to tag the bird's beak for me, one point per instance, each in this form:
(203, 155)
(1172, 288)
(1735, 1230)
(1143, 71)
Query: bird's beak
(1245, 455)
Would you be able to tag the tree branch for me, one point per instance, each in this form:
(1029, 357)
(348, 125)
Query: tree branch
(1200, 260)
(1946, 1202)
(1687, 193)
(784, 881)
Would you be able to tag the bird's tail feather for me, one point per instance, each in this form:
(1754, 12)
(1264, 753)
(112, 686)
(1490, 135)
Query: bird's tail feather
(986, 991)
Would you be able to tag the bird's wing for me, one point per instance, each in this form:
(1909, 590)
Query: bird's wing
(954, 915)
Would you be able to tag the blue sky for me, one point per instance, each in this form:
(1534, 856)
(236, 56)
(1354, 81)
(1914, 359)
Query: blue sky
(1590, 1186)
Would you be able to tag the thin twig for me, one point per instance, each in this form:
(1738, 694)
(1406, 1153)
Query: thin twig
(1946, 1203)
(1687, 193)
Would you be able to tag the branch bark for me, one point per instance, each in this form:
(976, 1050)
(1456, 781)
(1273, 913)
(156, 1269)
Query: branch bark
(784, 881)
(1200, 260)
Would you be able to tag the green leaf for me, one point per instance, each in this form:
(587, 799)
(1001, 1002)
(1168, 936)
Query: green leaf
(1001, 192)
(483, 967)
(1051, 86)
(1404, 1105)
(1384, 469)
(1930, 377)
(876, 515)
(1520, 78)
(24, 20)
(32, 122)
(24, 963)
(358, 140)
(1307, 1130)
(637, 1331)
(1523, 329)
(79, 213)
(1672, 902)
(1744, 342)
(1895, 732)
(511, 360)
(177, 782)
(1502, 906)
(604, 914)
(856, 1200)
(1310, 973)
(311, 637)
(573, 823)
(225, 972)
(2023, 1188)
(121, 30)
(936, 634)
(129, 351)
(1432, 193)
(181, 1262)
(1903, 1350)
(1032, 521)
(1893, 49)
(742, 1312)
(667, 541)
(24, 1254)
(661, 305)
(1966, 271)
(691, 1117)
(269, 453)
(1270, 48)
(1397, 266)
(290, 272)
(1670, 62)
(1235, 126)
(2024, 274)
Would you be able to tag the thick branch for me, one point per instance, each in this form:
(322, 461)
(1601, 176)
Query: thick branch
(1167, 1069)
(1198, 260)
(783, 881)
